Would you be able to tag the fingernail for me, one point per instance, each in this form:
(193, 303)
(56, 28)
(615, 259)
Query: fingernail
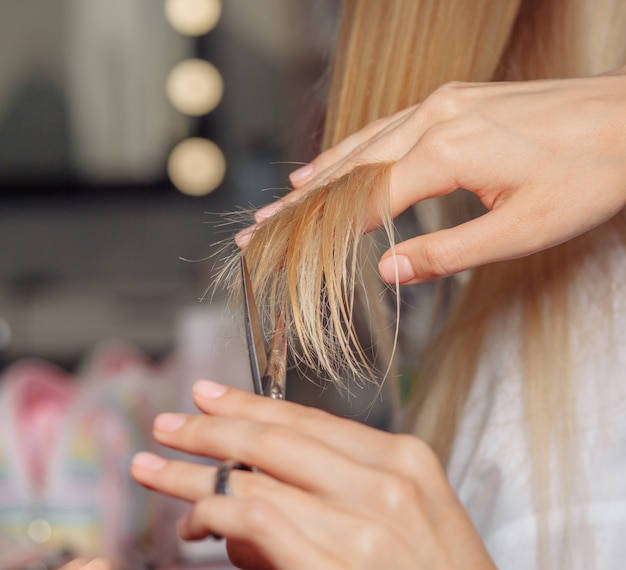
(387, 269)
(148, 461)
(208, 389)
(242, 239)
(301, 174)
(268, 211)
(169, 422)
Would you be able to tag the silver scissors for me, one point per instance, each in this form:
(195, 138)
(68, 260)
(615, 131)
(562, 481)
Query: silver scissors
(269, 367)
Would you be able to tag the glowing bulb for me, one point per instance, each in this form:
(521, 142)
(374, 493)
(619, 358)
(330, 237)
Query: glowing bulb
(195, 87)
(193, 17)
(196, 166)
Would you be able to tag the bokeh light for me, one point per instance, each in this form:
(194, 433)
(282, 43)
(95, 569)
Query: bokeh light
(195, 87)
(196, 166)
(193, 17)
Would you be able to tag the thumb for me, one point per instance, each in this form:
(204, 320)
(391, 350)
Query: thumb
(495, 236)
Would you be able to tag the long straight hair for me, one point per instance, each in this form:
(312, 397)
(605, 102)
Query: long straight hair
(394, 54)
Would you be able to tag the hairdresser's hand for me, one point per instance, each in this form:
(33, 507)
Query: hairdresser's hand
(546, 158)
(333, 494)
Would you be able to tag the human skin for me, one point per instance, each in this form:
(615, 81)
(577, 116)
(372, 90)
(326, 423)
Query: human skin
(84, 564)
(331, 493)
(546, 158)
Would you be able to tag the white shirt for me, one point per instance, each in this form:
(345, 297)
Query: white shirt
(490, 466)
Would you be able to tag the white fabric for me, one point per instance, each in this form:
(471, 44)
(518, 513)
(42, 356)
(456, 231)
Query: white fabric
(490, 466)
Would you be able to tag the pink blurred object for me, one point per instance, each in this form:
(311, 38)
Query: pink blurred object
(65, 448)
(42, 396)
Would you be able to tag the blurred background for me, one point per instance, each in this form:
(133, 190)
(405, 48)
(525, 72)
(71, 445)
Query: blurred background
(126, 128)
(97, 99)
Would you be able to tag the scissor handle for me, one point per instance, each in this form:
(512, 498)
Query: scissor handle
(272, 388)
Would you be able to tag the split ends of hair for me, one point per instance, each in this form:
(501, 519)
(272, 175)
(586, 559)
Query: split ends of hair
(307, 265)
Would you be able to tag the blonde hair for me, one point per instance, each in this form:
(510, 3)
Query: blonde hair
(391, 55)
(306, 268)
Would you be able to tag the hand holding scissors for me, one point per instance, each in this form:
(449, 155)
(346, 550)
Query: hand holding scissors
(326, 493)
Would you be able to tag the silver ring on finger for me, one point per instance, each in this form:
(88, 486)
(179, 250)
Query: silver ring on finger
(221, 481)
(223, 472)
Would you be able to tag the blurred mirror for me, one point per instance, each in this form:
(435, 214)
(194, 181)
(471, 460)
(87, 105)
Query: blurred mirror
(125, 126)
(82, 93)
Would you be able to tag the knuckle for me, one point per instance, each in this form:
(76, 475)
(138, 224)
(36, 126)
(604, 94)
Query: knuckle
(395, 492)
(203, 508)
(369, 540)
(192, 430)
(269, 436)
(436, 258)
(200, 517)
(441, 143)
(258, 517)
(446, 101)
(310, 418)
(414, 455)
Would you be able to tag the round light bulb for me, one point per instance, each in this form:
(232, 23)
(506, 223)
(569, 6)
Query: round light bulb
(195, 87)
(196, 166)
(193, 17)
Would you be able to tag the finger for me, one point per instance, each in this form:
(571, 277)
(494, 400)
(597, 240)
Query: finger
(98, 564)
(386, 139)
(367, 492)
(258, 523)
(496, 236)
(350, 146)
(84, 564)
(180, 479)
(191, 481)
(357, 541)
(310, 474)
(242, 554)
(381, 140)
(354, 442)
(282, 453)
(316, 519)
(360, 443)
(75, 564)
(308, 465)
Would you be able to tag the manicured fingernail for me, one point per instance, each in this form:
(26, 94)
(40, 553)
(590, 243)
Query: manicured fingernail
(208, 389)
(148, 461)
(242, 239)
(387, 269)
(301, 174)
(169, 422)
(268, 211)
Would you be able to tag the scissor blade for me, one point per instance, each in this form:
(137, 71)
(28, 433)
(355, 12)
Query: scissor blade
(275, 380)
(254, 333)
